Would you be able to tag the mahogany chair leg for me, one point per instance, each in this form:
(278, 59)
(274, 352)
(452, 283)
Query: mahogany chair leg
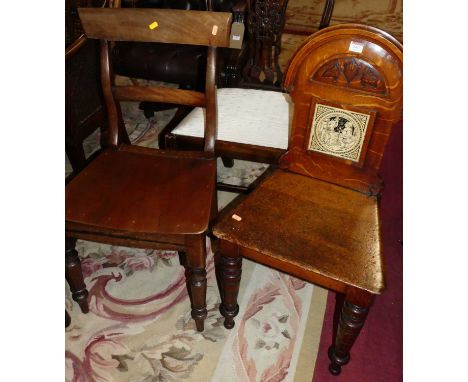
(227, 162)
(170, 142)
(196, 259)
(74, 275)
(188, 272)
(179, 115)
(351, 321)
(230, 264)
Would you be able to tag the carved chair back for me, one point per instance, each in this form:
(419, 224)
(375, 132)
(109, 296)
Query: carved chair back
(265, 24)
(206, 28)
(347, 97)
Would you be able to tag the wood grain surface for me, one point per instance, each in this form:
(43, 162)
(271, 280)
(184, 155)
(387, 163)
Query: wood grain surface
(310, 226)
(174, 25)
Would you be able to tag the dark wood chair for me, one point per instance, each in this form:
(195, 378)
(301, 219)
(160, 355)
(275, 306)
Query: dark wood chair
(84, 104)
(141, 197)
(317, 216)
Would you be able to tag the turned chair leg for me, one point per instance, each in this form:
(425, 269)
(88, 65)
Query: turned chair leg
(74, 275)
(351, 321)
(188, 272)
(230, 264)
(196, 272)
(227, 162)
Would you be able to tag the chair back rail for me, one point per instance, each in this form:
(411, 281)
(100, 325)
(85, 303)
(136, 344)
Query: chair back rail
(347, 97)
(159, 94)
(174, 26)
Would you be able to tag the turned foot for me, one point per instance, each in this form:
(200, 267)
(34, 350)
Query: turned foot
(230, 264)
(351, 321)
(74, 275)
(198, 293)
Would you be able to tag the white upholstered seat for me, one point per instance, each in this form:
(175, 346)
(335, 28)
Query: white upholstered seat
(248, 116)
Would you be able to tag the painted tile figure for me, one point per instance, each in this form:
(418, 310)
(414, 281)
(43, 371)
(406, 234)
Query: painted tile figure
(338, 132)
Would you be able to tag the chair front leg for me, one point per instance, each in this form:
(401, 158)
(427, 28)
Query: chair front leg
(74, 275)
(230, 264)
(351, 321)
(196, 264)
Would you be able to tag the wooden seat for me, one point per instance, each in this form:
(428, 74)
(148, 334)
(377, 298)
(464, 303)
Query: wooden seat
(164, 194)
(317, 216)
(322, 220)
(142, 197)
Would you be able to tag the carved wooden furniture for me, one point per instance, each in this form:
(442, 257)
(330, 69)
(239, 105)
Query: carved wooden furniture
(142, 197)
(265, 26)
(317, 217)
(179, 64)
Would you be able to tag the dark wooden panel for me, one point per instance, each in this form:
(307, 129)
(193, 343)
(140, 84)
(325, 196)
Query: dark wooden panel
(174, 26)
(159, 94)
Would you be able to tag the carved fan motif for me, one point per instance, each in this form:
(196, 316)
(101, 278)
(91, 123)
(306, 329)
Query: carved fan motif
(351, 69)
(351, 72)
(333, 71)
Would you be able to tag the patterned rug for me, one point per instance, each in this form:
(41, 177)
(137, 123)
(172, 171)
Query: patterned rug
(139, 326)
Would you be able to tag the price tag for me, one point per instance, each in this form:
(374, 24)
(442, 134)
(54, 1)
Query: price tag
(237, 35)
(356, 47)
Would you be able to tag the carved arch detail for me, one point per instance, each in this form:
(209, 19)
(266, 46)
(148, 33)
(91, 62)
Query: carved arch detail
(352, 72)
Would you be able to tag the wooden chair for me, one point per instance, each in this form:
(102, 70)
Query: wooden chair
(179, 64)
(142, 197)
(253, 118)
(317, 216)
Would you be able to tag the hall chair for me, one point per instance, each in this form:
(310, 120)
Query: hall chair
(142, 197)
(317, 216)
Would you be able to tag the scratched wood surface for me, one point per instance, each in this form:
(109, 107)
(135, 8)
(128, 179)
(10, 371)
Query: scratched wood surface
(310, 227)
(174, 25)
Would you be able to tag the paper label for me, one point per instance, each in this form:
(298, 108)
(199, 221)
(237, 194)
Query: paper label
(356, 47)
(237, 35)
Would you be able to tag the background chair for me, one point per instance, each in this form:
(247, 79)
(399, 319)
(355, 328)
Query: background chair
(84, 105)
(142, 197)
(179, 64)
(258, 130)
(317, 217)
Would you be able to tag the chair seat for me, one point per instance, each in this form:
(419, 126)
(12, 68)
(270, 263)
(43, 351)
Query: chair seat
(307, 224)
(249, 116)
(143, 191)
